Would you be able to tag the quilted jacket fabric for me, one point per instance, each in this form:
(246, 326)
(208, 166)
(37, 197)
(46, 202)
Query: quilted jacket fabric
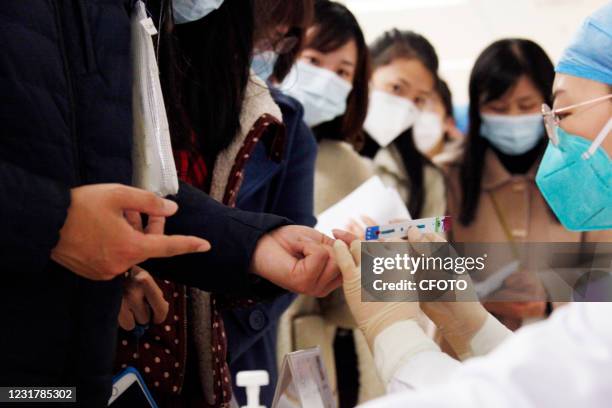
(65, 121)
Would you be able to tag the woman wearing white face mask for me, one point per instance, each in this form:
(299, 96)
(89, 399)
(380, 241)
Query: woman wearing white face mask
(493, 195)
(435, 132)
(403, 83)
(563, 362)
(331, 81)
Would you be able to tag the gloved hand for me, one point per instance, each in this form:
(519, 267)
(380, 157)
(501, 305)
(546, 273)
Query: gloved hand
(371, 317)
(356, 227)
(457, 321)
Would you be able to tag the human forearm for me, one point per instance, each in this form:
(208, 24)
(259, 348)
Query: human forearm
(233, 235)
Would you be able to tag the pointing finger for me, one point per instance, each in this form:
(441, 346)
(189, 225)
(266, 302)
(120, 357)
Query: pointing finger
(165, 246)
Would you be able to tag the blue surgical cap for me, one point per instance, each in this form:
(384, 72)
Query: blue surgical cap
(590, 53)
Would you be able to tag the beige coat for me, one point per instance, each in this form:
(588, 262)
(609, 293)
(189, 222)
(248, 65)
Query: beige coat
(513, 200)
(451, 153)
(311, 322)
(390, 168)
(527, 215)
(339, 171)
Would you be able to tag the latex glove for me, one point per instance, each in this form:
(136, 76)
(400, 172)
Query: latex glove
(371, 317)
(141, 298)
(356, 228)
(299, 259)
(457, 321)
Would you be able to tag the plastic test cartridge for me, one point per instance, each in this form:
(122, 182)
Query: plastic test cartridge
(400, 230)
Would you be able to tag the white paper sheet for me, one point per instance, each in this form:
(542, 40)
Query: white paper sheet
(372, 198)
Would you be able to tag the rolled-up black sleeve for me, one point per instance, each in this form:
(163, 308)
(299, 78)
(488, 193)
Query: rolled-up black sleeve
(233, 235)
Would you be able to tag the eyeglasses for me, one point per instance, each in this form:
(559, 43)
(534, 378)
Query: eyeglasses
(552, 120)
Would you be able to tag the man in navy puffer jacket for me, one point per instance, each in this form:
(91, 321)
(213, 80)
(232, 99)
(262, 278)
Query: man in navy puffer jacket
(66, 128)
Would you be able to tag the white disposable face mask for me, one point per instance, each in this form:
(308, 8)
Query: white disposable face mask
(513, 135)
(388, 117)
(186, 11)
(427, 132)
(322, 93)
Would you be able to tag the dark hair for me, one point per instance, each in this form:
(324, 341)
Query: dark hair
(496, 71)
(392, 45)
(446, 96)
(395, 44)
(204, 67)
(334, 27)
(296, 14)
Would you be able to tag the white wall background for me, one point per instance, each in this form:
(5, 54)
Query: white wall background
(461, 29)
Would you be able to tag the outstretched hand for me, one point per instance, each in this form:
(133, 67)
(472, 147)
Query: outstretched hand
(299, 259)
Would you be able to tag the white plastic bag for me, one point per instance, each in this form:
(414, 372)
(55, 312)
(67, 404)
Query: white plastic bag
(152, 158)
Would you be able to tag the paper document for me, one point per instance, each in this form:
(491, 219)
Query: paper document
(372, 198)
(303, 382)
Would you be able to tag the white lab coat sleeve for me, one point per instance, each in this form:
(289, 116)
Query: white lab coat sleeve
(490, 335)
(406, 357)
(564, 361)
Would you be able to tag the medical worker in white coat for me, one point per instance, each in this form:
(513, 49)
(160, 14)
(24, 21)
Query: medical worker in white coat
(565, 361)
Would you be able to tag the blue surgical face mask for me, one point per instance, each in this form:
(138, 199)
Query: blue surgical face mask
(322, 93)
(575, 178)
(186, 11)
(263, 64)
(513, 135)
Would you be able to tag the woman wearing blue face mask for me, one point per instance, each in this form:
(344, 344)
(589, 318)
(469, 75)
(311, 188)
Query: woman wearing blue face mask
(281, 30)
(493, 193)
(562, 362)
